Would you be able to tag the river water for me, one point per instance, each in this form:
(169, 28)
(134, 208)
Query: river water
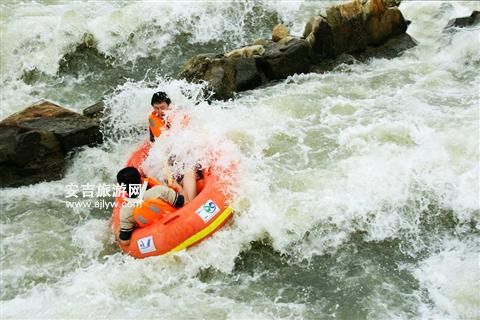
(359, 188)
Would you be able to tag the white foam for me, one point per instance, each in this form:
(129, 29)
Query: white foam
(124, 287)
(452, 280)
(92, 236)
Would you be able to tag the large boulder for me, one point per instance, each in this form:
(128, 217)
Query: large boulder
(217, 70)
(248, 67)
(34, 142)
(234, 71)
(29, 157)
(385, 25)
(285, 58)
(347, 26)
(353, 27)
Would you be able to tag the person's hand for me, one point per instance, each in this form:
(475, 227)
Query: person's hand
(175, 186)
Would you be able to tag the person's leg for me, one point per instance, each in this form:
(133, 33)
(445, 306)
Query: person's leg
(189, 185)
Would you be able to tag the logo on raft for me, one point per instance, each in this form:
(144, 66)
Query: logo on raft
(146, 245)
(207, 210)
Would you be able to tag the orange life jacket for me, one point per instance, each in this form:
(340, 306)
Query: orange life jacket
(151, 210)
(156, 124)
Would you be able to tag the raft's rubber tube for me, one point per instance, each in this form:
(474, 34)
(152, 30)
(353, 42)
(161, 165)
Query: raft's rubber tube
(183, 228)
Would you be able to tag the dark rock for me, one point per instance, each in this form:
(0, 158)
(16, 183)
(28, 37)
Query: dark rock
(33, 146)
(348, 28)
(221, 77)
(392, 3)
(326, 65)
(217, 70)
(380, 28)
(374, 28)
(319, 35)
(29, 157)
(34, 142)
(393, 48)
(249, 67)
(7, 143)
(247, 75)
(70, 132)
(196, 67)
(464, 22)
(96, 111)
(352, 27)
(355, 26)
(285, 58)
(71, 129)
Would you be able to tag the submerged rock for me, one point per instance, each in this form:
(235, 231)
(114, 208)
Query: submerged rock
(390, 49)
(34, 142)
(357, 28)
(330, 64)
(464, 22)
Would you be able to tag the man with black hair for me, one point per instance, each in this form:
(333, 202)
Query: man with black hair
(157, 120)
(130, 177)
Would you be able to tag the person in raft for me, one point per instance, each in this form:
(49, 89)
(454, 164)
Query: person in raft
(175, 196)
(159, 121)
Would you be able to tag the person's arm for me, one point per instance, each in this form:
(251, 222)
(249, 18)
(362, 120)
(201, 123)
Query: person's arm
(124, 242)
(127, 225)
(189, 185)
(124, 236)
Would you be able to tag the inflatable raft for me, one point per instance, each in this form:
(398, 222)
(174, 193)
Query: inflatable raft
(184, 227)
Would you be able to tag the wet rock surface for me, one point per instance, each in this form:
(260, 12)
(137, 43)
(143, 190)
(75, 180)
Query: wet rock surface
(35, 141)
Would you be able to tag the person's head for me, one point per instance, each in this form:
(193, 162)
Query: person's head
(160, 102)
(129, 176)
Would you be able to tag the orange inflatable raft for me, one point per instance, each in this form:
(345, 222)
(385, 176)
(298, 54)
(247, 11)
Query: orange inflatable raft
(184, 227)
